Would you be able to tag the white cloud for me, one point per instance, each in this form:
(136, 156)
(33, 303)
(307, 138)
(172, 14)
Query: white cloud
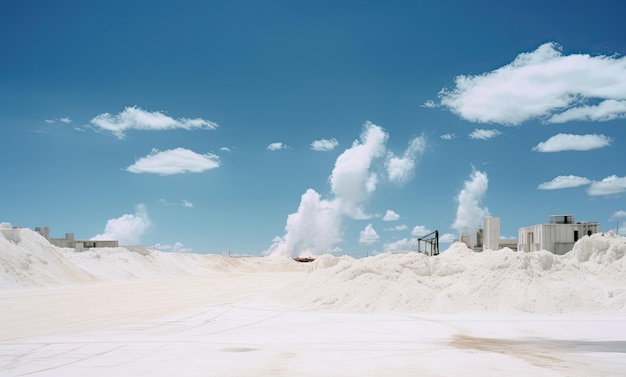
(618, 215)
(404, 244)
(49, 121)
(316, 228)
(177, 247)
(65, 120)
(401, 169)
(469, 214)
(183, 203)
(276, 146)
(484, 134)
(368, 235)
(225, 149)
(397, 228)
(542, 84)
(569, 142)
(174, 161)
(608, 186)
(323, 145)
(139, 119)
(604, 111)
(564, 181)
(420, 230)
(448, 136)
(187, 204)
(351, 181)
(430, 104)
(447, 238)
(127, 229)
(391, 216)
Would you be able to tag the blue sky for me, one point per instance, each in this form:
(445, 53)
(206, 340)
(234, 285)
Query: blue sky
(309, 127)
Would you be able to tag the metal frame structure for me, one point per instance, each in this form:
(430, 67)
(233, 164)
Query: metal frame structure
(431, 243)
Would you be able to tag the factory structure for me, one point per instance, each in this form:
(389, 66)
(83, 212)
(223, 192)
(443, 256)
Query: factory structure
(69, 241)
(558, 236)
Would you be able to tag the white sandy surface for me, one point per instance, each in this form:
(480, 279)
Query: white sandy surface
(107, 312)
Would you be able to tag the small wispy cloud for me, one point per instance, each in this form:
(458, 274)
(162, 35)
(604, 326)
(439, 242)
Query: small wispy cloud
(564, 181)
(182, 203)
(482, 134)
(177, 247)
(135, 118)
(324, 145)
(225, 149)
(276, 146)
(569, 142)
(430, 104)
(397, 228)
(174, 161)
(618, 215)
(608, 186)
(448, 136)
(65, 120)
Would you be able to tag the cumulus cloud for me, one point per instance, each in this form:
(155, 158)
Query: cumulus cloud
(484, 134)
(469, 213)
(420, 230)
(569, 142)
(139, 119)
(608, 186)
(391, 216)
(400, 169)
(174, 161)
(542, 84)
(368, 235)
(276, 146)
(324, 145)
(127, 229)
(618, 215)
(404, 244)
(564, 181)
(317, 226)
(177, 247)
(448, 136)
(447, 238)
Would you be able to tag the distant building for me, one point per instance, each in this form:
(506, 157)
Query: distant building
(558, 236)
(488, 237)
(69, 241)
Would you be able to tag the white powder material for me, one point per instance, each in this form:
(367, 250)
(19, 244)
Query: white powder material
(590, 278)
(28, 260)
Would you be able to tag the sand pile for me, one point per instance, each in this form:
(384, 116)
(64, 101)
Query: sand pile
(28, 260)
(590, 278)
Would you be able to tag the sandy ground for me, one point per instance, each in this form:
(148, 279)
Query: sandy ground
(225, 325)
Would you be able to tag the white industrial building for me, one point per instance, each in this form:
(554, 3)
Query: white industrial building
(69, 241)
(558, 236)
(488, 237)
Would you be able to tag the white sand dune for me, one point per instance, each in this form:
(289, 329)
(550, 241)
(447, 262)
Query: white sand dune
(116, 312)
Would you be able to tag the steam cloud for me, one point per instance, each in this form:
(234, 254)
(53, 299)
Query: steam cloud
(316, 228)
(469, 214)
